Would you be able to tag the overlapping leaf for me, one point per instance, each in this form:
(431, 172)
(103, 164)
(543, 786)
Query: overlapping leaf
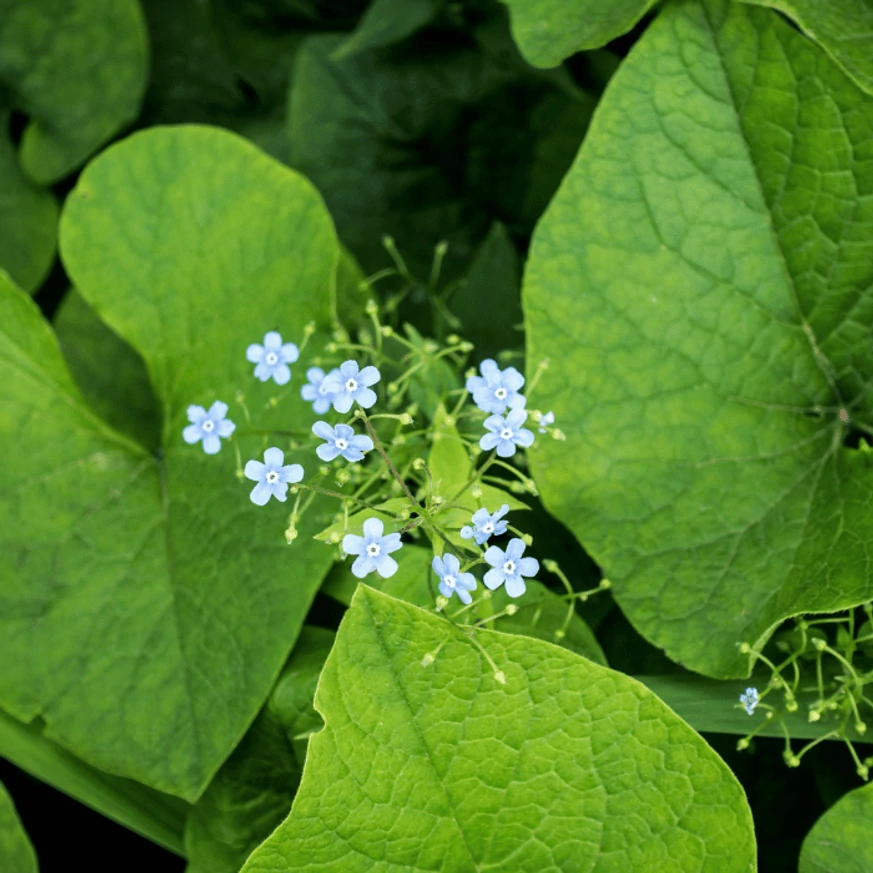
(703, 285)
(16, 852)
(567, 767)
(839, 842)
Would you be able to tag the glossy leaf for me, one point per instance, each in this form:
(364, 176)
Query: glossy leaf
(839, 842)
(16, 852)
(78, 70)
(190, 244)
(709, 342)
(568, 766)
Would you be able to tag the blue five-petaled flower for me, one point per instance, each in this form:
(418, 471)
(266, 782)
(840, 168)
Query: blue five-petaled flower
(273, 477)
(341, 440)
(508, 567)
(352, 385)
(321, 389)
(506, 433)
(373, 550)
(452, 580)
(749, 699)
(208, 426)
(486, 525)
(496, 389)
(272, 358)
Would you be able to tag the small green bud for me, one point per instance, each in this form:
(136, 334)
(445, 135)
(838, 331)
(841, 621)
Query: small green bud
(791, 760)
(745, 648)
(335, 537)
(814, 715)
(324, 470)
(605, 583)
(467, 346)
(511, 609)
(559, 435)
(791, 705)
(309, 329)
(290, 535)
(516, 488)
(387, 330)
(330, 347)
(527, 539)
(418, 464)
(403, 514)
(406, 419)
(436, 500)
(371, 308)
(342, 477)
(393, 388)
(819, 643)
(428, 659)
(861, 728)
(742, 744)
(449, 421)
(550, 565)
(559, 634)
(441, 603)
(476, 491)
(399, 440)
(485, 595)
(471, 371)
(294, 489)
(430, 347)
(500, 677)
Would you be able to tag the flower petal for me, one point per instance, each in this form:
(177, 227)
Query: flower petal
(282, 374)
(292, 473)
(273, 341)
(494, 423)
(528, 567)
(327, 451)
(366, 397)
(500, 513)
(344, 432)
(342, 402)
(453, 565)
(524, 437)
(349, 370)
(279, 490)
(290, 353)
(274, 457)
(463, 595)
(255, 353)
(353, 544)
(363, 565)
(362, 443)
(192, 434)
(505, 448)
(466, 532)
(494, 556)
(315, 375)
(386, 566)
(254, 470)
(489, 441)
(369, 376)
(481, 516)
(438, 567)
(196, 414)
(445, 590)
(352, 455)
(309, 392)
(493, 579)
(474, 382)
(488, 366)
(324, 430)
(512, 379)
(263, 372)
(516, 417)
(226, 427)
(515, 586)
(260, 494)
(321, 405)
(467, 580)
(218, 410)
(391, 542)
(515, 549)
(211, 444)
(373, 528)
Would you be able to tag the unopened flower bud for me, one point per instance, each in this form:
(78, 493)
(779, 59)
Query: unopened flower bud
(476, 491)
(418, 464)
(335, 537)
(792, 760)
(485, 595)
(742, 744)
(745, 648)
(863, 772)
(309, 329)
(449, 421)
(290, 535)
(500, 677)
(819, 643)
(324, 470)
(430, 347)
(441, 603)
(791, 705)
(814, 715)
(428, 659)
(558, 434)
(294, 489)
(330, 347)
(406, 419)
(387, 330)
(860, 727)
(392, 387)
(342, 477)
(605, 583)
(437, 500)
(371, 307)
(527, 539)
(399, 440)
(467, 346)
(560, 634)
(511, 609)
(550, 565)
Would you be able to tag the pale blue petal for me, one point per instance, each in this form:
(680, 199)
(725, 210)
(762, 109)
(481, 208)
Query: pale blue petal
(274, 457)
(273, 341)
(366, 397)
(226, 427)
(516, 418)
(463, 595)
(494, 556)
(218, 410)
(493, 579)
(386, 566)
(255, 471)
(192, 434)
(324, 430)
(488, 366)
(500, 512)
(515, 586)
(373, 528)
(255, 353)
(211, 444)
(500, 528)
(528, 567)
(445, 590)
(515, 549)
(292, 473)
(369, 376)
(344, 432)
(290, 353)
(438, 566)
(362, 443)
(453, 565)
(263, 372)
(321, 405)
(466, 532)
(309, 392)
(482, 537)
(342, 402)
(196, 414)
(505, 448)
(282, 374)
(315, 375)
(353, 544)
(489, 441)
(279, 490)
(524, 437)
(468, 581)
(391, 542)
(512, 379)
(363, 564)
(352, 455)
(349, 370)
(327, 451)
(260, 494)
(481, 516)
(494, 423)
(473, 383)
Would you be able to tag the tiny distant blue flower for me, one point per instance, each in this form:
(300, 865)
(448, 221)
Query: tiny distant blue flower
(508, 567)
(373, 550)
(341, 440)
(506, 433)
(272, 477)
(272, 358)
(208, 426)
(452, 580)
(320, 391)
(749, 699)
(496, 389)
(546, 420)
(351, 384)
(486, 525)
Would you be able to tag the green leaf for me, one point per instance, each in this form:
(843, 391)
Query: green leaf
(76, 104)
(110, 374)
(568, 766)
(449, 459)
(386, 22)
(252, 792)
(28, 219)
(190, 244)
(705, 333)
(157, 817)
(843, 28)
(16, 852)
(839, 841)
(547, 31)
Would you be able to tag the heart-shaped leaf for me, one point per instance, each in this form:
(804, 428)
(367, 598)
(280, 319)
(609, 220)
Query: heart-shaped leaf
(839, 841)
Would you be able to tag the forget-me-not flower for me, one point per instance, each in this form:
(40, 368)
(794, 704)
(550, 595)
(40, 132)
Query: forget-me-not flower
(272, 477)
(320, 392)
(373, 550)
(508, 567)
(208, 426)
(341, 440)
(749, 698)
(351, 384)
(545, 420)
(506, 433)
(452, 580)
(496, 389)
(272, 358)
(486, 525)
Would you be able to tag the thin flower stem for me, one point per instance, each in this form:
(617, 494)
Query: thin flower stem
(341, 496)
(381, 449)
(513, 470)
(816, 741)
(476, 476)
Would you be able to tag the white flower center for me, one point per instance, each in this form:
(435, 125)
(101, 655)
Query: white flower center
(341, 444)
(488, 528)
(351, 385)
(373, 550)
(272, 359)
(500, 394)
(208, 426)
(272, 477)
(450, 581)
(509, 568)
(506, 434)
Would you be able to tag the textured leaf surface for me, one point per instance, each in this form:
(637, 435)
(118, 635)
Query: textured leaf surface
(16, 852)
(252, 792)
(839, 842)
(567, 767)
(386, 22)
(147, 605)
(703, 285)
(78, 70)
(547, 31)
(844, 29)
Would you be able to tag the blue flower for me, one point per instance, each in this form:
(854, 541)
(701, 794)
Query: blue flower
(486, 525)
(272, 358)
(506, 433)
(452, 580)
(509, 567)
(320, 392)
(272, 477)
(496, 389)
(208, 426)
(749, 699)
(546, 420)
(372, 550)
(341, 440)
(351, 384)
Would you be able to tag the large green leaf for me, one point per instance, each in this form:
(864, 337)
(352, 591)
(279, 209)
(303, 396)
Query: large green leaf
(252, 792)
(16, 852)
(78, 70)
(567, 767)
(844, 28)
(386, 22)
(839, 842)
(703, 286)
(146, 603)
(547, 31)
(28, 219)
